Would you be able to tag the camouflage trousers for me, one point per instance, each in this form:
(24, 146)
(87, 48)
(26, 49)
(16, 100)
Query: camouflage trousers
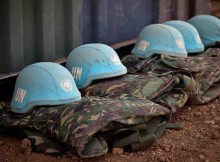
(84, 127)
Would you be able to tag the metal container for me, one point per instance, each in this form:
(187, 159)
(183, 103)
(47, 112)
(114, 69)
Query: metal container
(182, 9)
(47, 30)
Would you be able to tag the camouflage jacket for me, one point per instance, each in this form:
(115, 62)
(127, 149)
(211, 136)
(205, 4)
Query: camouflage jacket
(80, 125)
(214, 54)
(211, 53)
(159, 89)
(199, 75)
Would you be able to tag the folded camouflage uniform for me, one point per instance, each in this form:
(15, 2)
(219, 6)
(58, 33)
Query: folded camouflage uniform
(151, 87)
(198, 76)
(205, 71)
(83, 125)
(211, 52)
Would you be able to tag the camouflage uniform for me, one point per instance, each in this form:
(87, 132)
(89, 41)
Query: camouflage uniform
(84, 125)
(198, 76)
(213, 53)
(151, 87)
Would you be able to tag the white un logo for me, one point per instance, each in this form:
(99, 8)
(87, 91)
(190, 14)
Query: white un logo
(77, 72)
(20, 95)
(143, 45)
(66, 85)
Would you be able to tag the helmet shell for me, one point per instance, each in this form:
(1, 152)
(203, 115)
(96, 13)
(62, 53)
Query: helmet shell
(94, 61)
(190, 35)
(42, 84)
(208, 27)
(159, 39)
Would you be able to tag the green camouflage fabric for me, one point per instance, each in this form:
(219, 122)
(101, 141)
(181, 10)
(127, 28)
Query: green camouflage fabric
(80, 125)
(210, 52)
(158, 89)
(205, 71)
(199, 76)
(214, 53)
(42, 143)
(152, 65)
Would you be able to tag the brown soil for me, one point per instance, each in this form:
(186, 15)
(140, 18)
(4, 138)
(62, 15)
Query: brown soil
(197, 140)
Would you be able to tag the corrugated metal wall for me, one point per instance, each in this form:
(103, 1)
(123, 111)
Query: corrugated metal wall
(182, 9)
(215, 8)
(37, 30)
(47, 30)
(118, 20)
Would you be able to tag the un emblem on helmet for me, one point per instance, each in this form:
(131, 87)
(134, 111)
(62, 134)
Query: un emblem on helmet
(197, 38)
(115, 60)
(66, 85)
(180, 43)
(143, 45)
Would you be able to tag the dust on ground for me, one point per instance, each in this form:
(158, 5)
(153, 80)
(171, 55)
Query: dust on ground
(197, 140)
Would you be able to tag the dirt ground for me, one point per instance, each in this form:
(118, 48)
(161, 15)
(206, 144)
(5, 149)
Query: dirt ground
(197, 140)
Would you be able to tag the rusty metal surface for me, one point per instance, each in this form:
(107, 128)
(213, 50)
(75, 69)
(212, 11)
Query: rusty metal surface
(215, 8)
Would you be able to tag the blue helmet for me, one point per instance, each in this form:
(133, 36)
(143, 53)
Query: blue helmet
(190, 35)
(159, 39)
(94, 61)
(208, 28)
(42, 84)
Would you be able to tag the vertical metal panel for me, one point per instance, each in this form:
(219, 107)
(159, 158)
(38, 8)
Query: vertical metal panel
(168, 10)
(119, 20)
(28, 32)
(46, 30)
(37, 30)
(200, 8)
(16, 33)
(174, 10)
(59, 29)
(87, 20)
(4, 37)
(72, 18)
(215, 8)
(182, 9)
(11, 35)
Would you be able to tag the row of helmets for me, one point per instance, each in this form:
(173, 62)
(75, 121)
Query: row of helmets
(49, 83)
(177, 38)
